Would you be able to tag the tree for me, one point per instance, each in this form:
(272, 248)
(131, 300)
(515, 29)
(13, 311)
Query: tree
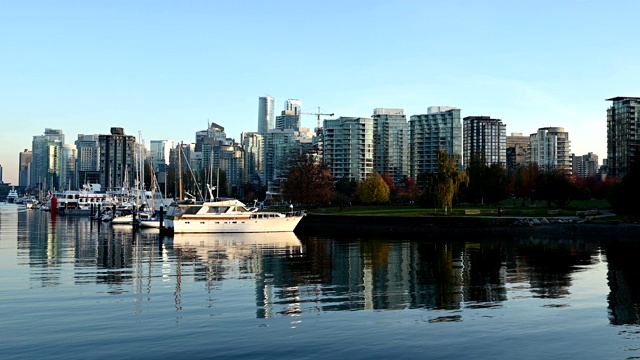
(447, 180)
(523, 181)
(427, 181)
(476, 171)
(408, 190)
(487, 183)
(495, 184)
(596, 185)
(625, 195)
(346, 191)
(374, 190)
(554, 186)
(308, 181)
(390, 183)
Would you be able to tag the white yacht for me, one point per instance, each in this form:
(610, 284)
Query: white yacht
(12, 196)
(227, 216)
(79, 202)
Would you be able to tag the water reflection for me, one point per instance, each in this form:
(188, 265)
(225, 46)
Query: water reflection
(624, 282)
(292, 275)
(212, 258)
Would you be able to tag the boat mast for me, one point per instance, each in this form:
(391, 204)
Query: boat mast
(180, 171)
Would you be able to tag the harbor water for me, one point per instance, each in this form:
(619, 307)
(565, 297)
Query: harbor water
(72, 288)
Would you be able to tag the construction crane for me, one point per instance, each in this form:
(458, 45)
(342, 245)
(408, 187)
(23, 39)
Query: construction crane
(317, 114)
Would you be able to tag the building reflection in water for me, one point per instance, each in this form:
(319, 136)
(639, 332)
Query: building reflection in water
(624, 282)
(270, 259)
(395, 274)
(294, 275)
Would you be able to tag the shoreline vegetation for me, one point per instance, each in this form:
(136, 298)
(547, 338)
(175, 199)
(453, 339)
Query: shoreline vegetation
(580, 218)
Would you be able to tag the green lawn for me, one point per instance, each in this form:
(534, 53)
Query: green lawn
(538, 208)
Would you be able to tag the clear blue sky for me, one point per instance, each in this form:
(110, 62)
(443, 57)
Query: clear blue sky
(165, 68)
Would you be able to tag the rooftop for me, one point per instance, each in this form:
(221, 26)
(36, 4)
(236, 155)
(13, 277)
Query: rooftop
(618, 98)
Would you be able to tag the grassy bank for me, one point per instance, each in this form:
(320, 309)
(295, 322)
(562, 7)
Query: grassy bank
(509, 208)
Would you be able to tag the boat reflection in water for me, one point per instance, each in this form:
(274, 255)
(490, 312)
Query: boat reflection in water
(237, 242)
(219, 259)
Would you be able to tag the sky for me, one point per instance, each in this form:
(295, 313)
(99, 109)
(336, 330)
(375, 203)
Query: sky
(165, 69)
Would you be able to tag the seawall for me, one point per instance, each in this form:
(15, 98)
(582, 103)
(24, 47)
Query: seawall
(426, 226)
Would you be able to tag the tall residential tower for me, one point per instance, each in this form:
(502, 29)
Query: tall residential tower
(348, 147)
(391, 143)
(550, 148)
(623, 134)
(439, 129)
(265, 114)
(484, 139)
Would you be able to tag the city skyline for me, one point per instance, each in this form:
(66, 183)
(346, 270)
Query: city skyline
(169, 70)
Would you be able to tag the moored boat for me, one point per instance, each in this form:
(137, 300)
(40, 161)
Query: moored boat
(227, 216)
(12, 196)
(81, 202)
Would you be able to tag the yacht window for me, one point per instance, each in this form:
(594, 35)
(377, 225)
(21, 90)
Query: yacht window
(190, 210)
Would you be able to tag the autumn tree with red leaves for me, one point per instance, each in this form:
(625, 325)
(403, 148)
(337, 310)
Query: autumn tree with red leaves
(308, 182)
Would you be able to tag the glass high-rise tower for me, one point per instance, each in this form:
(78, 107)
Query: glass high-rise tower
(391, 143)
(265, 114)
(623, 134)
(439, 129)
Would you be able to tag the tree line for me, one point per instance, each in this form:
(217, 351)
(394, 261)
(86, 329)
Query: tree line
(309, 183)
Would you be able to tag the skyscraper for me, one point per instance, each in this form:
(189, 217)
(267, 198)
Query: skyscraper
(117, 160)
(623, 134)
(517, 148)
(280, 145)
(288, 119)
(25, 165)
(160, 150)
(294, 105)
(439, 129)
(391, 143)
(484, 139)
(348, 147)
(550, 148)
(265, 114)
(253, 145)
(45, 164)
(585, 165)
(68, 175)
(88, 164)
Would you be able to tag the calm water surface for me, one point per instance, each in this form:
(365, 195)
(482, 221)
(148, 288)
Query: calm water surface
(75, 289)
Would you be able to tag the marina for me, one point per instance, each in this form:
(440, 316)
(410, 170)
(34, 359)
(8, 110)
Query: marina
(87, 289)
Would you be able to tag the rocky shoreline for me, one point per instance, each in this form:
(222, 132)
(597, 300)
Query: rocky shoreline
(428, 226)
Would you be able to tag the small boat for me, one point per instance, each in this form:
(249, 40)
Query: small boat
(122, 218)
(30, 202)
(227, 216)
(149, 220)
